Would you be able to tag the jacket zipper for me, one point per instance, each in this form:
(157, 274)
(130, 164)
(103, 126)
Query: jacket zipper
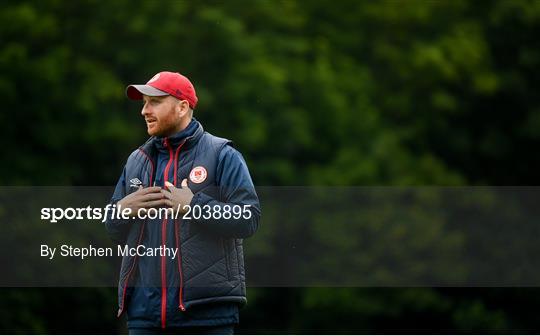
(164, 243)
(177, 235)
(121, 309)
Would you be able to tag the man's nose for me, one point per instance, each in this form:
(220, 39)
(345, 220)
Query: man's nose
(144, 110)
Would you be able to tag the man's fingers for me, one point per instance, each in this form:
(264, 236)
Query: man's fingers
(153, 204)
(150, 190)
(152, 196)
(166, 193)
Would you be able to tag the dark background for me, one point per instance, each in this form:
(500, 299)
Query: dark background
(341, 93)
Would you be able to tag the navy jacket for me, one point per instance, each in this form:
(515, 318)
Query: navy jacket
(205, 284)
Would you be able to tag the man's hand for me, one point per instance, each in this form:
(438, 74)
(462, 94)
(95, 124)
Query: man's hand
(179, 197)
(144, 198)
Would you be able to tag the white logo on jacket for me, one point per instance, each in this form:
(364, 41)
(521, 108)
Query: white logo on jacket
(135, 182)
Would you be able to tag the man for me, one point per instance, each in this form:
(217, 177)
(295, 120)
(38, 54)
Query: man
(206, 181)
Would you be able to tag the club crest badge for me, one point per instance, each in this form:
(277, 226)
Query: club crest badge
(198, 174)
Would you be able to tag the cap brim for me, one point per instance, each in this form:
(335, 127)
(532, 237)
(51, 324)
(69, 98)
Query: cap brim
(135, 92)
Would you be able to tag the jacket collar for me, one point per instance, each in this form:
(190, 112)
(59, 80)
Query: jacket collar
(191, 135)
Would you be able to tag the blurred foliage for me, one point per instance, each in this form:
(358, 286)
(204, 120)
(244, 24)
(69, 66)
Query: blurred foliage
(313, 93)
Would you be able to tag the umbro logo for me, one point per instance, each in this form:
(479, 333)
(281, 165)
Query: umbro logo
(135, 182)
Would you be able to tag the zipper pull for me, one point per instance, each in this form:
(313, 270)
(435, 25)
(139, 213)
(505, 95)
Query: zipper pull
(166, 142)
(182, 308)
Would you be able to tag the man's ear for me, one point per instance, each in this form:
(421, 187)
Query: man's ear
(182, 107)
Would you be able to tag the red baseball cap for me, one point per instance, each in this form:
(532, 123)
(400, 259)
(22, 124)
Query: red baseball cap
(163, 84)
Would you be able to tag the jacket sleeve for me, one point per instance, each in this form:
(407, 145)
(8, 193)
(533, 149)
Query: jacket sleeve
(235, 188)
(118, 228)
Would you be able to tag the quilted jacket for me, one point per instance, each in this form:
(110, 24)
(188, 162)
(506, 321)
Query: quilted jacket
(209, 268)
